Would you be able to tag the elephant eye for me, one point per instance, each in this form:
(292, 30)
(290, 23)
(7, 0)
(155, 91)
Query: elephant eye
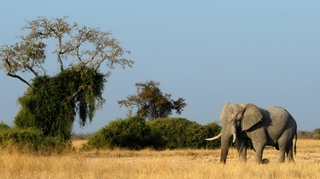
(233, 121)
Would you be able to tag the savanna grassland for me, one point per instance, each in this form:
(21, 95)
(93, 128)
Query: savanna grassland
(149, 164)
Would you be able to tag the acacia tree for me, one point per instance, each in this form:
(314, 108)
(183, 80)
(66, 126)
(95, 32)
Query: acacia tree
(51, 103)
(151, 102)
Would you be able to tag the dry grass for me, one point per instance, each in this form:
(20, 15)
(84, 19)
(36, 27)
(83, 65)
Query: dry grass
(148, 164)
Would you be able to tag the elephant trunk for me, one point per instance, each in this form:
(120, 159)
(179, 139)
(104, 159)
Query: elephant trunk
(225, 144)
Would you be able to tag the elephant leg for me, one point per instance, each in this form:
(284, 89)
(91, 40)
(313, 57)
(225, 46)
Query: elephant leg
(289, 151)
(242, 145)
(258, 151)
(282, 153)
(259, 141)
(285, 147)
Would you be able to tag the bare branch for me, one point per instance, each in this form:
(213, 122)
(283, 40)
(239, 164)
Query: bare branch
(88, 47)
(21, 79)
(24, 57)
(16, 76)
(42, 28)
(32, 70)
(104, 49)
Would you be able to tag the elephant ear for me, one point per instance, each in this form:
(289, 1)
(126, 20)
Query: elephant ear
(251, 116)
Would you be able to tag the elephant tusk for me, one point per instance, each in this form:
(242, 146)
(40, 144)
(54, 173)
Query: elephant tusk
(234, 137)
(214, 138)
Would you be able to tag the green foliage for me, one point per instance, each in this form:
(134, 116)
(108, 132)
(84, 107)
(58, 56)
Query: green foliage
(173, 130)
(181, 133)
(169, 133)
(151, 102)
(22, 136)
(210, 130)
(29, 140)
(131, 133)
(53, 102)
(4, 126)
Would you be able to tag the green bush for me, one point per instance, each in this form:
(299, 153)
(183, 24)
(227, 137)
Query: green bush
(4, 126)
(173, 131)
(29, 140)
(131, 133)
(164, 133)
(182, 133)
(210, 130)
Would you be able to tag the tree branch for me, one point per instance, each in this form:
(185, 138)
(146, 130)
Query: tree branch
(80, 89)
(59, 52)
(17, 76)
(31, 69)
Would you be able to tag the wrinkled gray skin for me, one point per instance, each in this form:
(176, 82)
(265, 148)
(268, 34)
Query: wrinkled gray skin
(273, 126)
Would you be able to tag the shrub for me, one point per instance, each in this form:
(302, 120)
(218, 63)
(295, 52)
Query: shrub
(4, 126)
(163, 133)
(210, 130)
(182, 133)
(130, 133)
(30, 140)
(172, 130)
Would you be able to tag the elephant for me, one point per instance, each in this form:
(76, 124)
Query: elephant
(273, 126)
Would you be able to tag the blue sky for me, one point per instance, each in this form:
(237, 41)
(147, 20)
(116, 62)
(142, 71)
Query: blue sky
(208, 52)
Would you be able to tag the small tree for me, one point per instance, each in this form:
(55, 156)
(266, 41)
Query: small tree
(151, 102)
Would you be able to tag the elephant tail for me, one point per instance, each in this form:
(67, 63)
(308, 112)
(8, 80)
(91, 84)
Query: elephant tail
(295, 142)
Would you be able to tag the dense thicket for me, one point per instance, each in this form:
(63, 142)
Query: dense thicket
(167, 133)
